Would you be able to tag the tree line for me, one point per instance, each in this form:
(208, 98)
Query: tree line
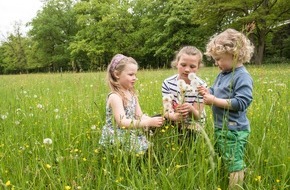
(83, 35)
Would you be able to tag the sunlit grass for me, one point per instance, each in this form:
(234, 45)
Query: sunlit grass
(50, 125)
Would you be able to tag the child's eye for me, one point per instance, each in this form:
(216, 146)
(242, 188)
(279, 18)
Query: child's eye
(192, 66)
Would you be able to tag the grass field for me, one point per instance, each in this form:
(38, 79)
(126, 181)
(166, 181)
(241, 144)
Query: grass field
(50, 126)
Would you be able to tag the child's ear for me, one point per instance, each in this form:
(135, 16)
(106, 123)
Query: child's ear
(116, 75)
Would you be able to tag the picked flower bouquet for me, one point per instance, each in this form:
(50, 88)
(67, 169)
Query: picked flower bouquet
(170, 104)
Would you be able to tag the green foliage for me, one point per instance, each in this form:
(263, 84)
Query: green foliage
(84, 35)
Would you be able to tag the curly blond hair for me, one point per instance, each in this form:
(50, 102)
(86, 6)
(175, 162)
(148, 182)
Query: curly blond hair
(233, 42)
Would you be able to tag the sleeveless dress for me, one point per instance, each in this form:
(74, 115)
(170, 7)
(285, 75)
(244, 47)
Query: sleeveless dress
(128, 139)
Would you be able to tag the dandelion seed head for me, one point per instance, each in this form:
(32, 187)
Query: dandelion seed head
(191, 76)
(47, 141)
(39, 106)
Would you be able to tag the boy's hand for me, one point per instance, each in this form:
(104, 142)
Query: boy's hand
(202, 90)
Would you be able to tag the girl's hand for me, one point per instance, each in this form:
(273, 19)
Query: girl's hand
(155, 121)
(184, 109)
(202, 90)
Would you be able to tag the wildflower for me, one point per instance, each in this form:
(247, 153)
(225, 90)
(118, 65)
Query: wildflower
(258, 178)
(162, 130)
(93, 127)
(48, 166)
(84, 159)
(47, 141)
(67, 187)
(178, 166)
(278, 180)
(34, 96)
(270, 90)
(96, 151)
(3, 117)
(39, 106)
(219, 188)
(191, 76)
(56, 110)
(8, 183)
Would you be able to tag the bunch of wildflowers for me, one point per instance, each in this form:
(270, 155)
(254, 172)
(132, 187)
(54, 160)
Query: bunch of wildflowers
(183, 89)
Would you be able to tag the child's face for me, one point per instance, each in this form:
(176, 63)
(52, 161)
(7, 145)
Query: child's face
(187, 64)
(127, 77)
(224, 61)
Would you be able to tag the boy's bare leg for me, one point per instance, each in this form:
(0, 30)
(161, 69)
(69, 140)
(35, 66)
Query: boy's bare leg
(236, 180)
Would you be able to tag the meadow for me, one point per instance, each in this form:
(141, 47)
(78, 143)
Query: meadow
(50, 125)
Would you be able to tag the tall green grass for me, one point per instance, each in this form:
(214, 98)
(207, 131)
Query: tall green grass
(70, 110)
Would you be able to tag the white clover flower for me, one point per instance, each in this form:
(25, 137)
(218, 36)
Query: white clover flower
(47, 141)
(93, 127)
(56, 110)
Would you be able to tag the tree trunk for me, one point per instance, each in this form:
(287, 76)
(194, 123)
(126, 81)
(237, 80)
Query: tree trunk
(259, 49)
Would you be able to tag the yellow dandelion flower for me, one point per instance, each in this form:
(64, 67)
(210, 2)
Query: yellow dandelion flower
(278, 180)
(48, 166)
(67, 187)
(8, 183)
(178, 166)
(173, 148)
(96, 151)
(84, 159)
(76, 150)
(219, 188)
(163, 130)
(258, 178)
(166, 127)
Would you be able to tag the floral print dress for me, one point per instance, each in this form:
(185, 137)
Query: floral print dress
(129, 139)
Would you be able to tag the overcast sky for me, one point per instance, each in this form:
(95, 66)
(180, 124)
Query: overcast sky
(20, 11)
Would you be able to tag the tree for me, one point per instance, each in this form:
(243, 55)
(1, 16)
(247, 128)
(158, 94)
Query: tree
(52, 31)
(266, 14)
(13, 58)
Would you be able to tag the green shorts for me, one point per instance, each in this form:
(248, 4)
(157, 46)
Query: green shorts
(231, 147)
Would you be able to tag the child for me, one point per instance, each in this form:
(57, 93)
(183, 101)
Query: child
(125, 121)
(186, 106)
(230, 96)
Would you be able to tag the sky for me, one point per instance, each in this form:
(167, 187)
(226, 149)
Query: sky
(20, 11)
